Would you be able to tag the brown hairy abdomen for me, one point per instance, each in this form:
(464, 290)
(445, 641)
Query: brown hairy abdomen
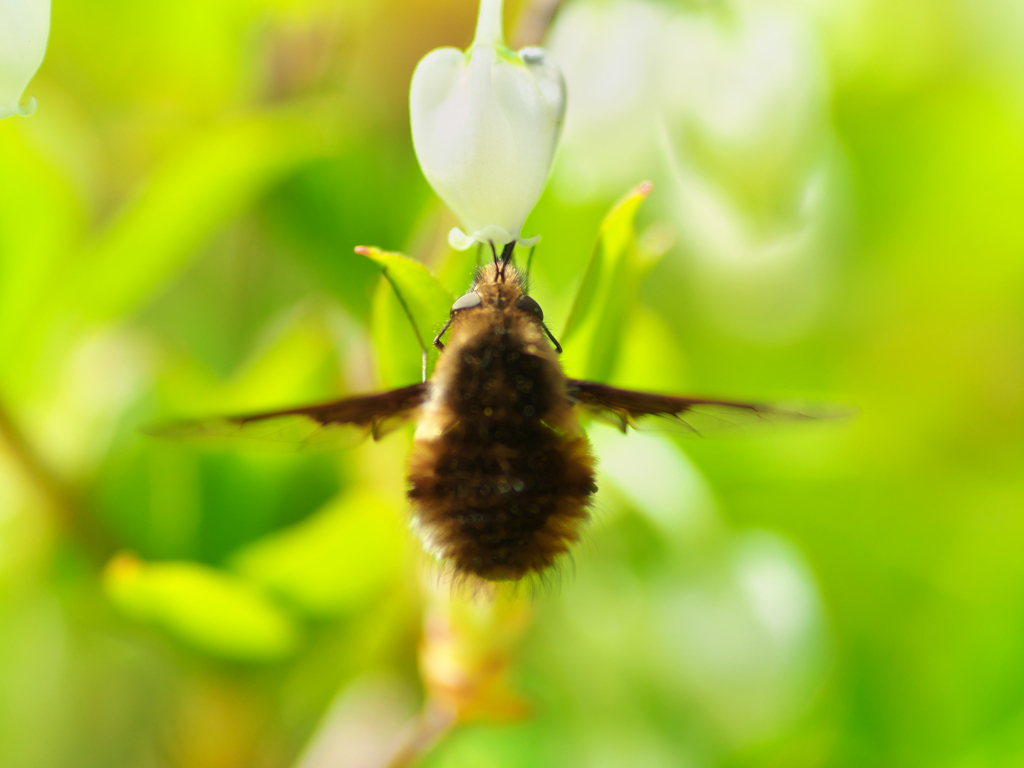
(501, 493)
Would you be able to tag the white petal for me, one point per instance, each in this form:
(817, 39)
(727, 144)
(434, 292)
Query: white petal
(493, 234)
(549, 81)
(24, 27)
(459, 240)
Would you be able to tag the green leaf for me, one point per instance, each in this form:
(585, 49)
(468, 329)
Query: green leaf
(213, 611)
(333, 561)
(40, 217)
(187, 199)
(593, 332)
(409, 308)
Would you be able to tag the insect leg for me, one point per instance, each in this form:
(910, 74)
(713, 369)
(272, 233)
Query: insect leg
(529, 263)
(558, 347)
(437, 339)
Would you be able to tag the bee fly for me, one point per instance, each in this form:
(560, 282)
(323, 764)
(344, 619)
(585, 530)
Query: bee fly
(501, 473)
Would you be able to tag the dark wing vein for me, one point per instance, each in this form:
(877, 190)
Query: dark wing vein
(624, 408)
(318, 424)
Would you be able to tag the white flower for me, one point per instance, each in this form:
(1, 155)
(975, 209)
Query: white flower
(611, 54)
(741, 94)
(725, 107)
(485, 124)
(751, 97)
(24, 27)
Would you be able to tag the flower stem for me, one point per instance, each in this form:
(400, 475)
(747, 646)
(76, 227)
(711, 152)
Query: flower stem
(488, 23)
(430, 726)
(534, 21)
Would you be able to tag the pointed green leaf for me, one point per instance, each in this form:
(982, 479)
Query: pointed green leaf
(593, 332)
(409, 308)
(213, 611)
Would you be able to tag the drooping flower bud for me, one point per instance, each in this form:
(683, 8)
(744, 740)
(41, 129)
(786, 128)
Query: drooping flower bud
(485, 124)
(24, 27)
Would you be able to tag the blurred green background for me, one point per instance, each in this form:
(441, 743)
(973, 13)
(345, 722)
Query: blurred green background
(838, 215)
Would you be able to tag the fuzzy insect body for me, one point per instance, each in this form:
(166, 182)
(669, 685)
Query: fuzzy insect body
(501, 472)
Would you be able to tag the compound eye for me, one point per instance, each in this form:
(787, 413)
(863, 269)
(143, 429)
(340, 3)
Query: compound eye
(466, 301)
(527, 304)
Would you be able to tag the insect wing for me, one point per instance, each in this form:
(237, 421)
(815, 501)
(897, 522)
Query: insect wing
(337, 422)
(624, 408)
